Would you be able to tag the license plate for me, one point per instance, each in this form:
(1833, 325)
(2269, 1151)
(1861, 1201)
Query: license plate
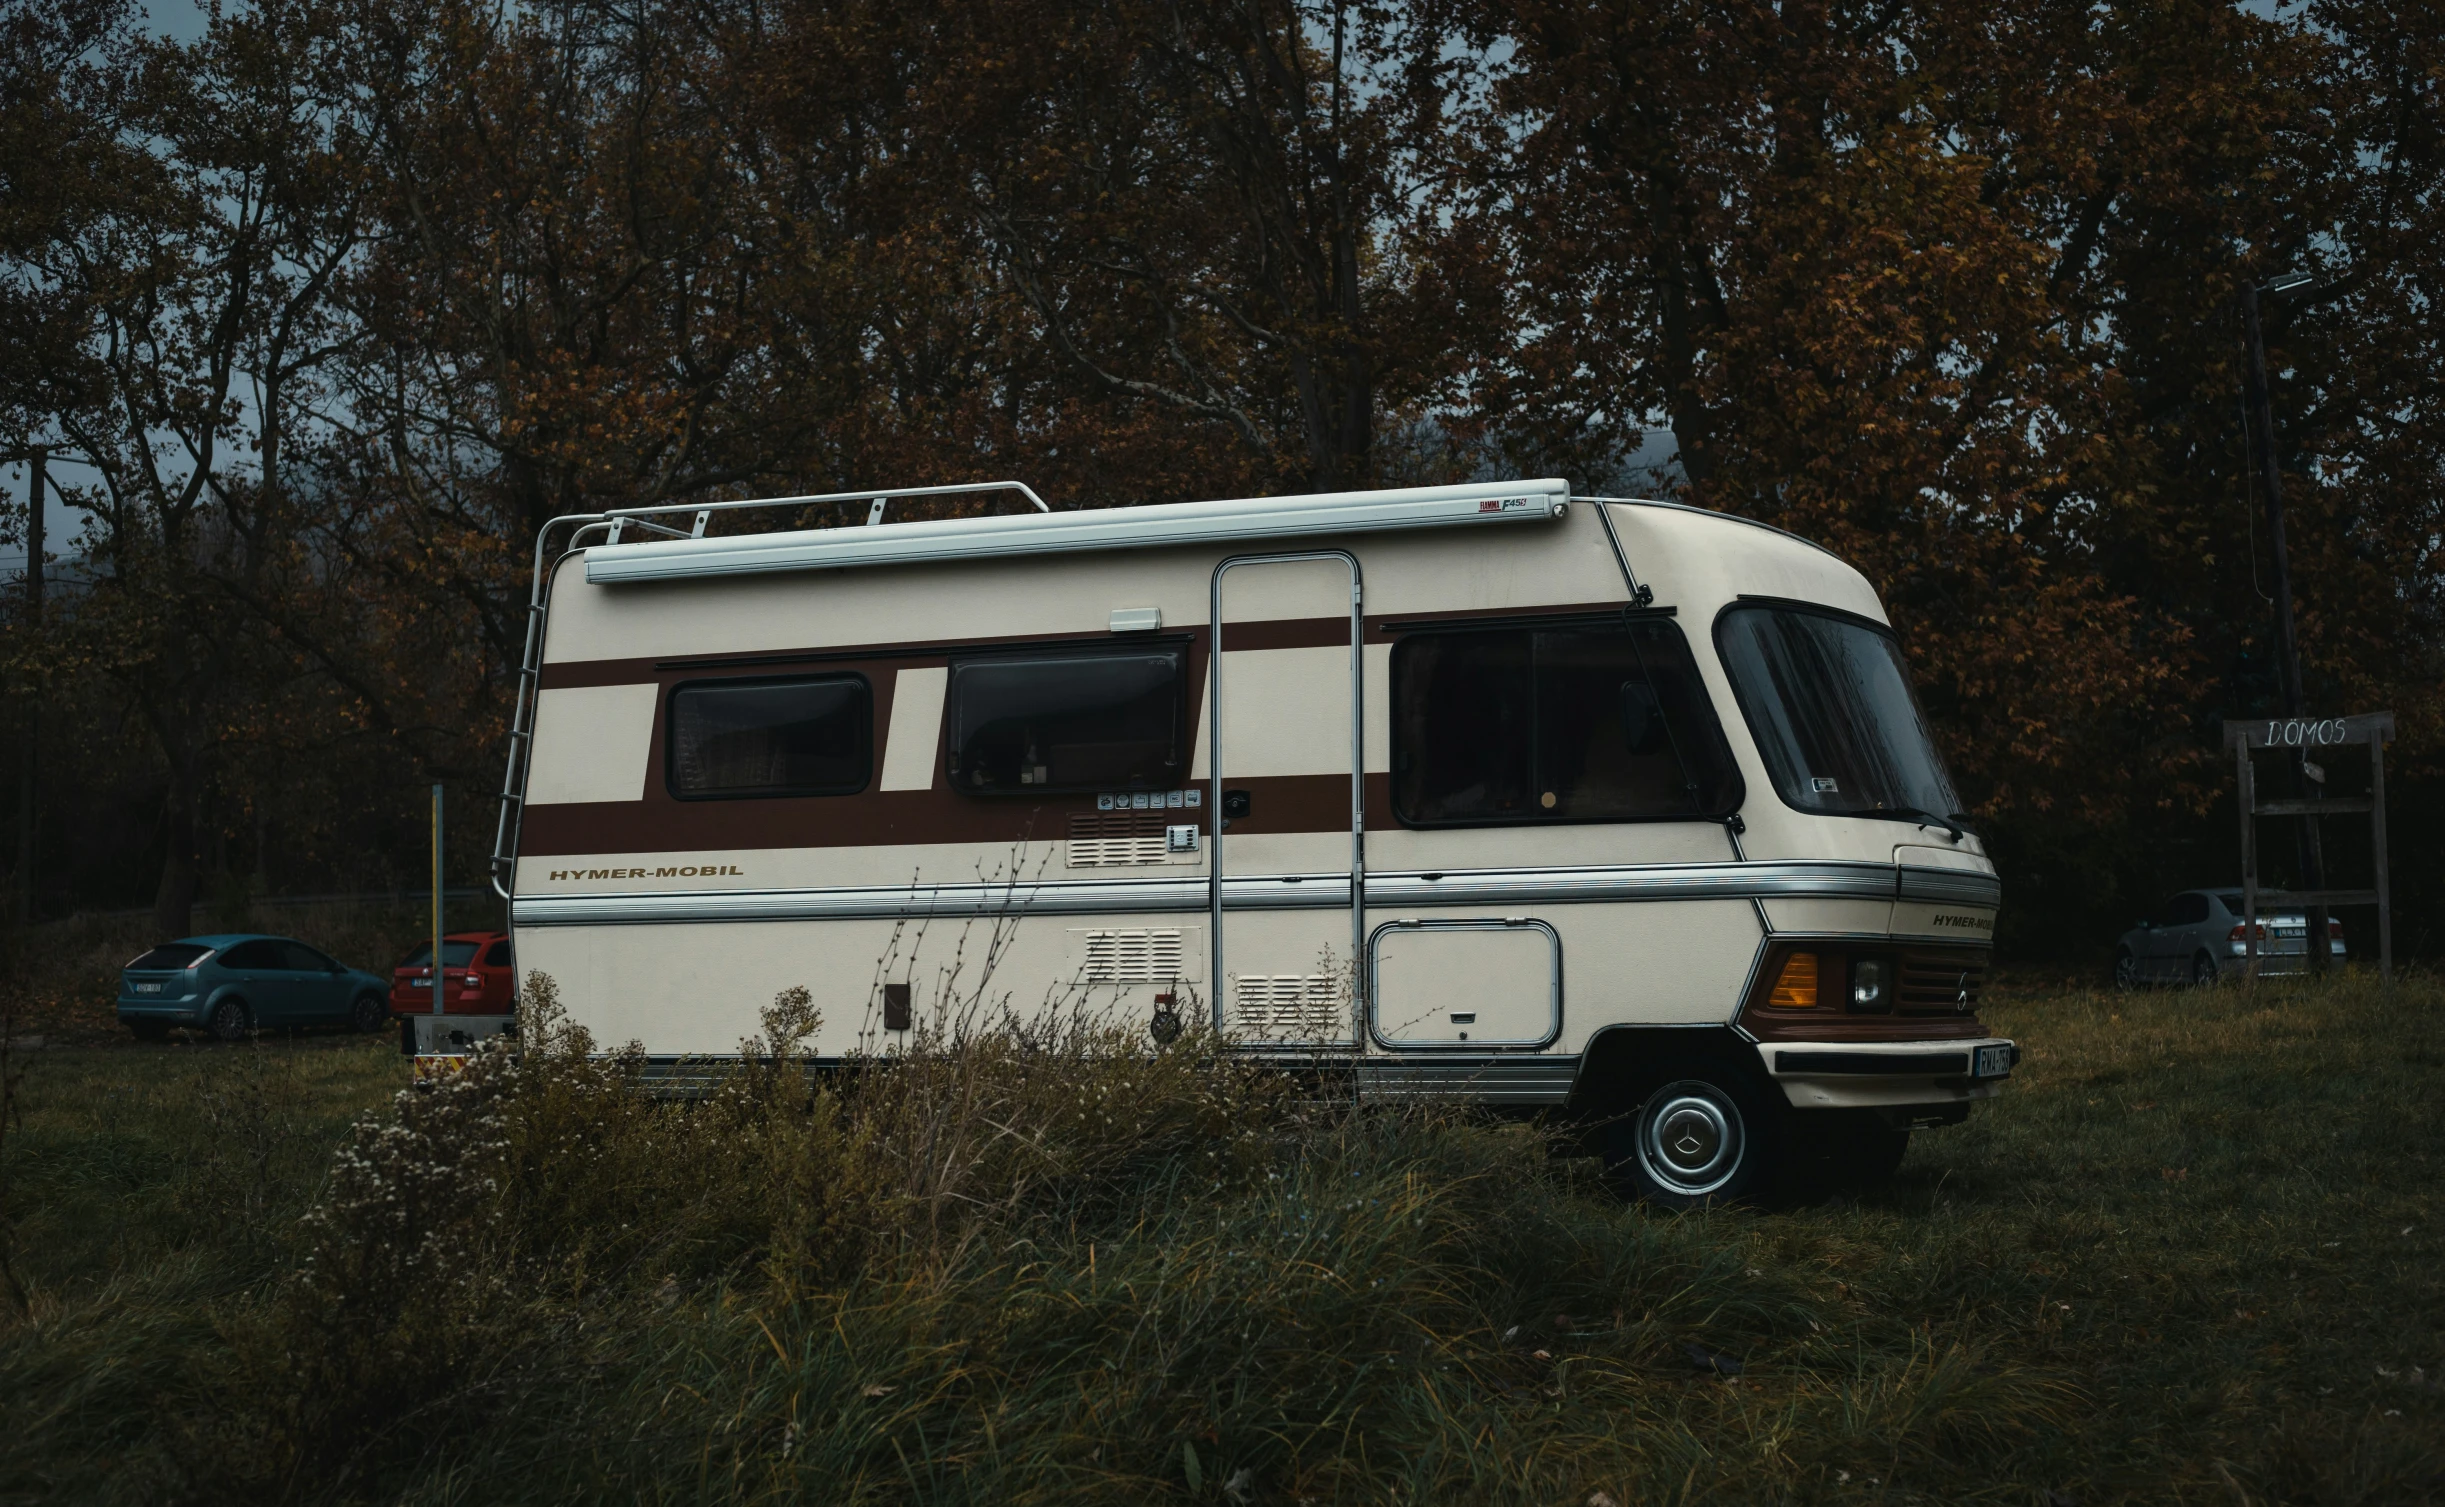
(148, 988)
(1991, 1062)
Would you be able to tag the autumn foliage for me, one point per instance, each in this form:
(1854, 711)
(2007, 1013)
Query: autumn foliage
(324, 312)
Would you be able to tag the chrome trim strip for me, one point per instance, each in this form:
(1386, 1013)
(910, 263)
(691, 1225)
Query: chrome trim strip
(1489, 1080)
(1812, 879)
(1513, 1080)
(1950, 887)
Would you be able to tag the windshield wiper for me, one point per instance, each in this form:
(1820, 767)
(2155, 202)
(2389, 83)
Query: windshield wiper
(1951, 824)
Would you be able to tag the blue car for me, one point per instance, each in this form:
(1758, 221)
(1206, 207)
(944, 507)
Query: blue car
(230, 985)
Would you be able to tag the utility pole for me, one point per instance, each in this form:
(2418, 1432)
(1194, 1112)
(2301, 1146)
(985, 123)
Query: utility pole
(2287, 644)
(37, 484)
(438, 984)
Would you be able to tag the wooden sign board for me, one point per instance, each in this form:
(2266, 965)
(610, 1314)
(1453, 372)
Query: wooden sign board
(2305, 735)
(2308, 732)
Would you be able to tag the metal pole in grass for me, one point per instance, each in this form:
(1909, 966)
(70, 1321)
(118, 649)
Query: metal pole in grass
(29, 808)
(437, 979)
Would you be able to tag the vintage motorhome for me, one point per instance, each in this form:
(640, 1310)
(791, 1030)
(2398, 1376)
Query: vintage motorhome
(1620, 809)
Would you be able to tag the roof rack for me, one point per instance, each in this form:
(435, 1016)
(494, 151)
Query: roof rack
(614, 522)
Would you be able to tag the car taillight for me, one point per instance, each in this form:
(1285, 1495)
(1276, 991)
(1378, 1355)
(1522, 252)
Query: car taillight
(2241, 933)
(475, 980)
(2334, 929)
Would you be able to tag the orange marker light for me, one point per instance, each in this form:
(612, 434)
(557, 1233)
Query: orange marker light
(1795, 988)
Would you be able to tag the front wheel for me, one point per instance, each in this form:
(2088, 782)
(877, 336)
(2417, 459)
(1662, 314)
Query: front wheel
(371, 1014)
(2126, 971)
(1706, 1135)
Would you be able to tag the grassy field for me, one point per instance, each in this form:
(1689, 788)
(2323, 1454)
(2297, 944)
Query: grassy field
(2192, 1256)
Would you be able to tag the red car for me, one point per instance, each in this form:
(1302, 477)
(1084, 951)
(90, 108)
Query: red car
(477, 978)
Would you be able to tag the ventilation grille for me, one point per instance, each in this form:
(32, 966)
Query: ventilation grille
(1289, 1007)
(1933, 985)
(1107, 839)
(1140, 956)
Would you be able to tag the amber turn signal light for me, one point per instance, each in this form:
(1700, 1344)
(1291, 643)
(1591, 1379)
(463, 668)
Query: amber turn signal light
(1795, 988)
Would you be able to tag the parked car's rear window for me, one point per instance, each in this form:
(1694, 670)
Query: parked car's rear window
(1828, 699)
(171, 956)
(260, 953)
(811, 735)
(453, 955)
(1093, 720)
(2183, 910)
(1585, 722)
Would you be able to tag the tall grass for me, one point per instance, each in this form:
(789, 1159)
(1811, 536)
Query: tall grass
(1065, 1265)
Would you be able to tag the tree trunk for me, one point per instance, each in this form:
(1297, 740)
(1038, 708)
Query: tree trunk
(174, 901)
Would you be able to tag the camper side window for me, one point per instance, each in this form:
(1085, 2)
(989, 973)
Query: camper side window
(1568, 724)
(810, 735)
(1092, 720)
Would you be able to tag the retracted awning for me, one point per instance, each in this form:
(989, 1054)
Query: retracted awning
(1239, 521)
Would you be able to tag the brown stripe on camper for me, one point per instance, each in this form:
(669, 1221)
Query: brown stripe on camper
(1269, 633)
(878, 818)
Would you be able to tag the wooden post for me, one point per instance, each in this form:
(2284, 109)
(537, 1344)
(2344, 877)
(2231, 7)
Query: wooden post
(2377, 845)
(2248, 787)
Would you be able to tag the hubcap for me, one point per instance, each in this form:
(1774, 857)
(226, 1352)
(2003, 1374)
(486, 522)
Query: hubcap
(1690, 1139)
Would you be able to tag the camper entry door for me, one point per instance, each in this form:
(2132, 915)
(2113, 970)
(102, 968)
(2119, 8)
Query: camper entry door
(1283, 763)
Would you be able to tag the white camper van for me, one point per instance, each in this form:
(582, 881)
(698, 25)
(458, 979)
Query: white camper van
(1610, 809)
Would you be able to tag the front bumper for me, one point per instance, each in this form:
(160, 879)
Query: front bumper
(1881, 1074)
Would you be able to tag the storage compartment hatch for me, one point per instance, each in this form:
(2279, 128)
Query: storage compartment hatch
(1466, 985)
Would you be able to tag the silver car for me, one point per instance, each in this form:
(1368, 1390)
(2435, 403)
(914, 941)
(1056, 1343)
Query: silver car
(2197, 938)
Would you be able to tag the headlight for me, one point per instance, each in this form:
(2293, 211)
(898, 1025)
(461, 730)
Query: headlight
(1868, 985)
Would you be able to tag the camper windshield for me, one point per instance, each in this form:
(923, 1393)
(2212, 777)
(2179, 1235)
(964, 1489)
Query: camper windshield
(1829, 702)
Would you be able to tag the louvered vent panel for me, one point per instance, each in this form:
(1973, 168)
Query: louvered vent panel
(1109, 839)
(1143, 955)
(1937, 985)
(1288, 1007)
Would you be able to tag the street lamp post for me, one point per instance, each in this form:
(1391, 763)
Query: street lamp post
(2287, 644)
